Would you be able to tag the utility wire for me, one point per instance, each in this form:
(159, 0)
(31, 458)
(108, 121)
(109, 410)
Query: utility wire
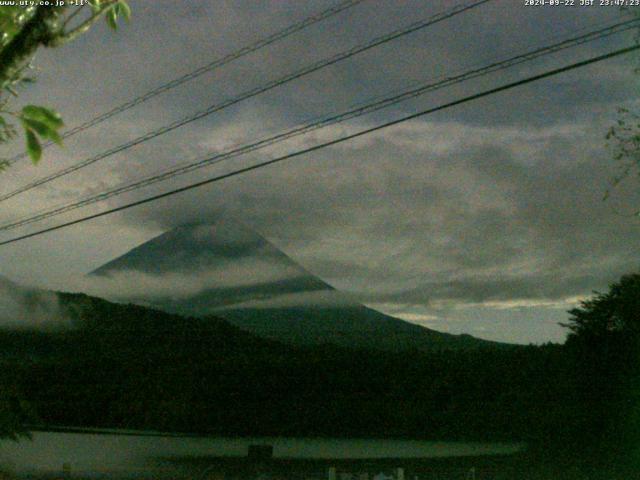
(336, 141)
(328, 120)
(215, 64)
(251, 93)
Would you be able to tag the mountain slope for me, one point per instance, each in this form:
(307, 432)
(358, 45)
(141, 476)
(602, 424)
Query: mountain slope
(126, 366)
(228, 270)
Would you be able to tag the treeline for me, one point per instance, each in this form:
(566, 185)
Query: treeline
(133, 367)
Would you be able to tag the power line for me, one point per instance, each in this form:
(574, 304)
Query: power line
(252, 93)
(329, 120)
(336, 141)
(215, 64)
(324, 121)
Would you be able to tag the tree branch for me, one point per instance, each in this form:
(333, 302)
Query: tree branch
(24, 44)
(84, 26)
(72, 16)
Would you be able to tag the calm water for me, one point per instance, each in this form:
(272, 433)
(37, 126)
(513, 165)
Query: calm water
(120, 454)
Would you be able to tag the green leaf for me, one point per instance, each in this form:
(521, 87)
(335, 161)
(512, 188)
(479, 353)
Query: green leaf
(124, 10)
(44, 115)
(95, 5)
(112, 17)
(42, 129)
(34, 149)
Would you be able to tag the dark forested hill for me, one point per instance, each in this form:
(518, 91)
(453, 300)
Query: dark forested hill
(128, 366)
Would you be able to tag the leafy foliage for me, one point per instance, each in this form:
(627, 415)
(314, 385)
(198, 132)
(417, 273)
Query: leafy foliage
(23, 30)
(623, 138)
(605, 346)
(12, 19)
(120, 9)
(614, 313)
(14, 412)
(40, 122)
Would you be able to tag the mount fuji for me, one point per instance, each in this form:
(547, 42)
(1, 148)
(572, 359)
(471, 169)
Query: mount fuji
(230, 271)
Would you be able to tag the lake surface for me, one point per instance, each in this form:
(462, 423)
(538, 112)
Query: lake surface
(99, 454)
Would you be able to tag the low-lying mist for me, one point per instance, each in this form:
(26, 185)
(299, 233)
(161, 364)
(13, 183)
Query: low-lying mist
(24, 307)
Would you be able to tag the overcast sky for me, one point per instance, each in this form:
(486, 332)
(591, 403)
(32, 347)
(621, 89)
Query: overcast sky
(486, 218)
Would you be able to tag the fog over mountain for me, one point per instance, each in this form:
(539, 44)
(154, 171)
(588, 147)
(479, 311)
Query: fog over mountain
(226, 269)
(28, 308)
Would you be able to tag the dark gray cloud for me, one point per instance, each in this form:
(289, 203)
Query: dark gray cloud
(503, 222)
(483, 205)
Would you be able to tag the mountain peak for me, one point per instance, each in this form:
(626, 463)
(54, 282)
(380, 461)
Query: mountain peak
(191, 246)
(236, 273)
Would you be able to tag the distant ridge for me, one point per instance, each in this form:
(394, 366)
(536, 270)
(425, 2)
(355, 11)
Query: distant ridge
(123, 366)
(255, 286)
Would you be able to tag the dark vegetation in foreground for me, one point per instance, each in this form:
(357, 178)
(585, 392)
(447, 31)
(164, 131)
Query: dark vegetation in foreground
(132, 367)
